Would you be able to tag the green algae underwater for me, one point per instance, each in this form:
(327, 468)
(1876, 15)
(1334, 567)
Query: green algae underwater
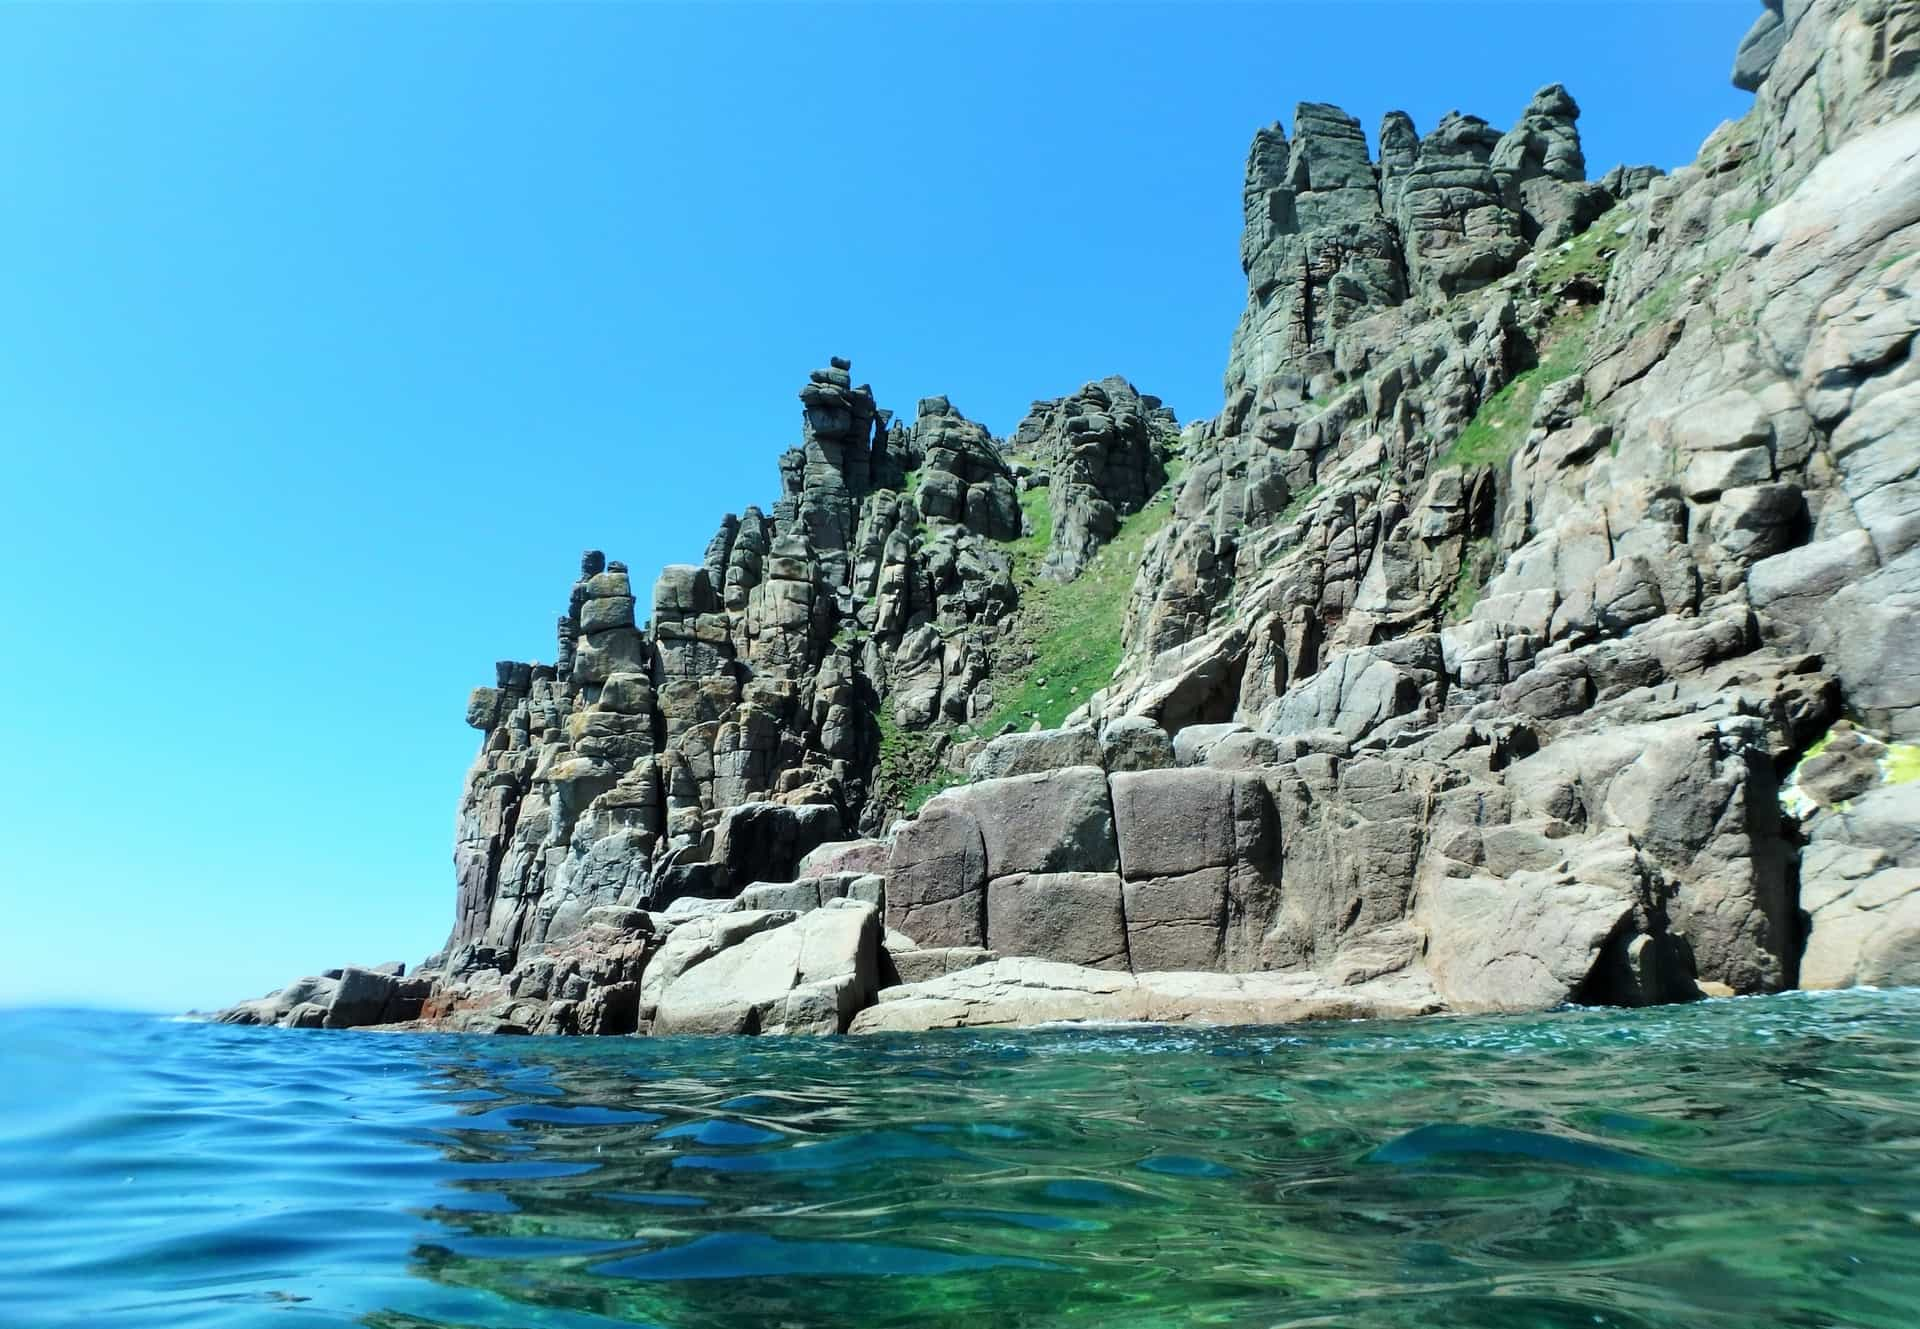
(1732, 1163)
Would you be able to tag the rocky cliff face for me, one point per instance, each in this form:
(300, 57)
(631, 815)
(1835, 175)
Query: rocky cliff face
(1537, 622)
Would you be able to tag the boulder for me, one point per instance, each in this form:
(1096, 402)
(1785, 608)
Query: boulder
(921, 965)
(1528, 943)
(767, 841)
(1863, 917)
(862, 856)
(360, 998)
(1177, 922)
(1041, 750)
(1760, 48)
(804, 977)
(1135, 743)
(800, 896)
(696, 941)
(1051, 821)
(1195, 741)
(1173, 822)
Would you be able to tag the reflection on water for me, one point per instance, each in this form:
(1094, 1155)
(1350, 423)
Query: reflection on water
(1729, 1164)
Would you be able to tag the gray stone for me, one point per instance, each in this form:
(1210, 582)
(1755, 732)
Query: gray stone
(1070, 916)
(937, 877)
(1171, 823)
(1043, 750)
(1052, 821)
(767, 841)
(1193, 742)
(1525, 944)
(805, 977)
(696, 941)
(361, 998)
(1135, 743)
(1759, 48)
(1028, 991)
(924, 964)
(1177, 922)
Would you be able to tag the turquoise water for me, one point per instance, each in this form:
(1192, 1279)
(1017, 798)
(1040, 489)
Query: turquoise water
(1736, 1163)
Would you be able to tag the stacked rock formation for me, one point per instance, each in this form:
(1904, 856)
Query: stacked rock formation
(729, 735)
(1101, 453)
(1332, 237)
(1538, 622)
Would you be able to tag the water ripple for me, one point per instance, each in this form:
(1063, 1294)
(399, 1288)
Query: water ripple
(1719, 1166)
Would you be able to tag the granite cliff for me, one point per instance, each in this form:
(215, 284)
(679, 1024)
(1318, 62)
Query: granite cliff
(1539, 621)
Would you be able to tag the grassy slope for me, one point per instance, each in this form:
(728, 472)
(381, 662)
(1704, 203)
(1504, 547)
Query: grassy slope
(1072, 629)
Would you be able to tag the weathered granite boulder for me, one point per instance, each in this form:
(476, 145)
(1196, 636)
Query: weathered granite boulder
(1050, 821)
(804, 977)
(695, 941)
(1041, 750)
(767, 841)
(1526, 943)
(1860, 870)
(1135, 743)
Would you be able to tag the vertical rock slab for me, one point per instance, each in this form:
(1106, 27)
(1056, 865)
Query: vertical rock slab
(937, 877)
(1702, 801)
(1171, 823)
(1075, 917)
(1177, 923)
(1200, 851)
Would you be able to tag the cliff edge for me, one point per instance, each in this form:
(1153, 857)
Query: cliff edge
(1539, 621)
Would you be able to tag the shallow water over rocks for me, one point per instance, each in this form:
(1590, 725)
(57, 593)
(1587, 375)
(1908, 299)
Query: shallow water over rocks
(1732, 1163)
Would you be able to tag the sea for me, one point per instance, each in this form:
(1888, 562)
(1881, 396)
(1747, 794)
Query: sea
(1731, 1164)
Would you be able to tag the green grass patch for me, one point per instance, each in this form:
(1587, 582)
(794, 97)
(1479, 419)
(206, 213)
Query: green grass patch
(1475, 567)
(918, 795)
(1030, 550)
(1072, 629)
(1589, 254)
(907, 774)
(1315, 405)
(1819, 746)
(1299, 503)
(1501, 423)
(1659, 302)
(1887, 263)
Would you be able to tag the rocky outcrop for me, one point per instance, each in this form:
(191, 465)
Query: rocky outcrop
(1537, 622)
(1332, 237)
(1102, 454)
(1022, 992)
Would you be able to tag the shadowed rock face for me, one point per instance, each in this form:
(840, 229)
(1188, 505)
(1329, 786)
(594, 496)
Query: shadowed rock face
(1479, 663)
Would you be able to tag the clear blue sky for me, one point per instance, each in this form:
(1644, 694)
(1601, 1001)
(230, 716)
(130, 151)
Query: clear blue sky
(331, 334)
